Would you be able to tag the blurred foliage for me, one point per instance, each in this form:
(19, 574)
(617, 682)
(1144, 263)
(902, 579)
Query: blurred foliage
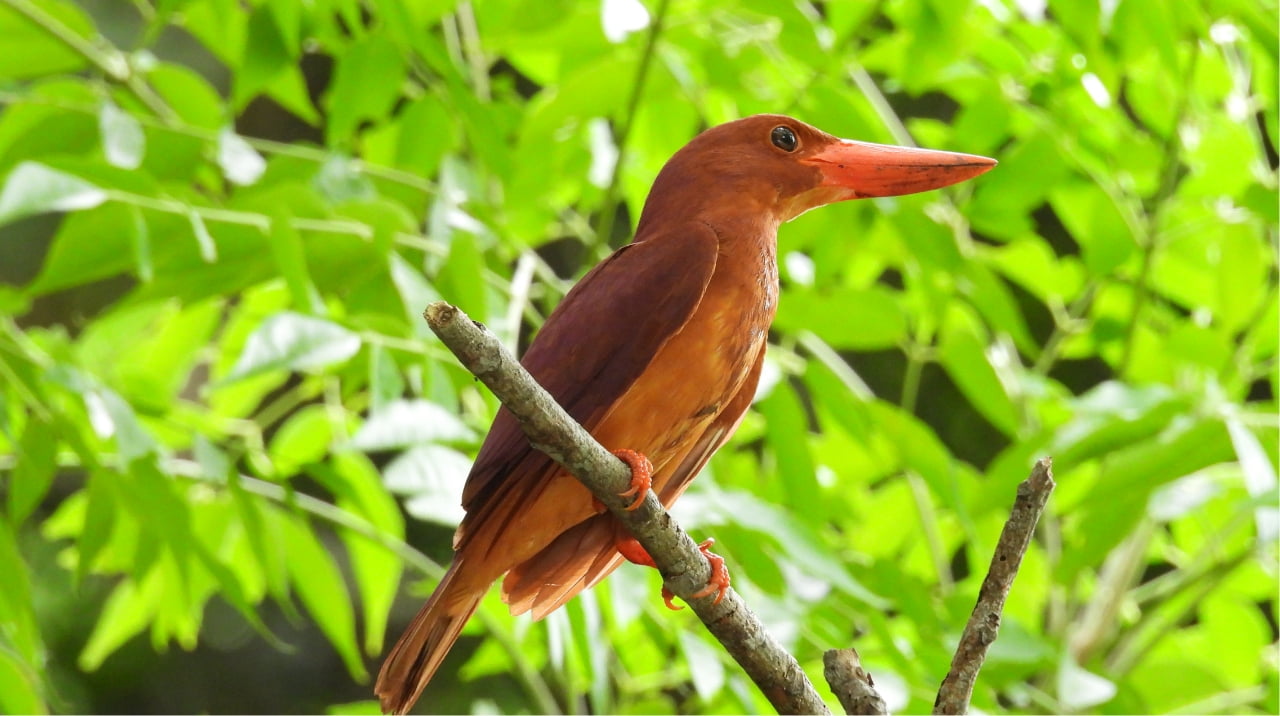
(220, 221)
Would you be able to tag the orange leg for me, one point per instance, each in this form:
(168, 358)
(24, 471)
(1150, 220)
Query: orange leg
(630, 549)
(641, 478)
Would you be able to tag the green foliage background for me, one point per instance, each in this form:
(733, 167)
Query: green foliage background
(223, 423)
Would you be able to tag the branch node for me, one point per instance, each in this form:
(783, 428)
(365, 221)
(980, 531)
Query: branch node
(851, 683)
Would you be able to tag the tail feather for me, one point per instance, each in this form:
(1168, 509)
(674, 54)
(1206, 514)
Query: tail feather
(424, 645)
(575, 561)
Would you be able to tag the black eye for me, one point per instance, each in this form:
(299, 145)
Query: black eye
(783, 138)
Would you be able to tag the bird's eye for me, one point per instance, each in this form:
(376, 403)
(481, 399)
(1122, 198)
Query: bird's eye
(783, 138)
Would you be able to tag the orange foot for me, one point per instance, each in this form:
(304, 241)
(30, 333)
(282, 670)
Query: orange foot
(641, 480)
(718, 584)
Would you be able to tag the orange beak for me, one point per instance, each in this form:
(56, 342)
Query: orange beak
(866, 170)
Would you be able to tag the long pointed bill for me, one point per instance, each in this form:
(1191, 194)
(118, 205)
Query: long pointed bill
(860, 169)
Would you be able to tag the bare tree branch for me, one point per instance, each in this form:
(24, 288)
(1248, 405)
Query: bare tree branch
(682, 565)
(984, 622)
(851, 683)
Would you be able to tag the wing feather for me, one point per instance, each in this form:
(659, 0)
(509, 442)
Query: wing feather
(595, 344)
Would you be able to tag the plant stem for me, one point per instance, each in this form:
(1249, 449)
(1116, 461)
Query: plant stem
(609, 207)
(1169, 177)
(112, 62)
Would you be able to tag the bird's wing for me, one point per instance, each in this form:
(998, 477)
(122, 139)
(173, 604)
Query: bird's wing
(586, 553)
(595, 344)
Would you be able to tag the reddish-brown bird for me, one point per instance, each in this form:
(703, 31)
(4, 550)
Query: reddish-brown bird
(658, 350)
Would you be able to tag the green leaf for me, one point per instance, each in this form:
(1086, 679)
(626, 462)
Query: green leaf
(404, 423)
(113, 417)
(1127, 478)
(459, 281)
(240, 163)
(797, 541)
(301, 440)
(102, 512)
(189, 94)
(33, 188)
(340, 180)
(385, 383)
(366, 85)
(862, 319)
(376, 568)
(34, 472)
(1096, 224)
(965, 359)
(22, 654)
(122, 138)
(705, 667)
(291, 259)
(323, 592)
(90, 245)
(265, 57)
(1259, 477)
(141, 236)
(434, 476)
(129, 609)
(1004, 199)
(416, 293)
(787, 436)
(32, 51)
(21, 636)
(1080, 689)
(291, 341)
(20, 687)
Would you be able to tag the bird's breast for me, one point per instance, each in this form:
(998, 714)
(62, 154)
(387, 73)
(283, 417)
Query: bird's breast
(699, 369)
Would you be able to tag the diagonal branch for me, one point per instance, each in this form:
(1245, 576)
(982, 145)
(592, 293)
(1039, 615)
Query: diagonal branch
(685, 570)
(984, 622)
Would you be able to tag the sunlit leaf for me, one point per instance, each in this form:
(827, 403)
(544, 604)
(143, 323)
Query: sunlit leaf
(433, 475)
(239, 161)
(402, 423)
(122, 138)
(290, 341)
(33, 188)
(1082, 689)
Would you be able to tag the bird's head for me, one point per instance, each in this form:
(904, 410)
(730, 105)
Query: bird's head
(775, 168)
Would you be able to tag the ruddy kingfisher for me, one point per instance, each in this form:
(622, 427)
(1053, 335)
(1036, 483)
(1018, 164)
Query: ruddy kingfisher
(656, 352)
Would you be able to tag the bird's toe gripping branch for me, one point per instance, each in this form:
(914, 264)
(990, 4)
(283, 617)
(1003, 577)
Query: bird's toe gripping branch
(718, 584)
(641, 476)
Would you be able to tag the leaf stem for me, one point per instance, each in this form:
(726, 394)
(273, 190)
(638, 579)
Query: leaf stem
(1169, 178)
(112, 62)
(609, 207)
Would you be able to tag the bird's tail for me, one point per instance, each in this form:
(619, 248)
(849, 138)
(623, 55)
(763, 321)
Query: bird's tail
(415, 658)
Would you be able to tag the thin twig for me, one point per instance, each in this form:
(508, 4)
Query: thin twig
(851, 683)
(984, 622)
(682, 565)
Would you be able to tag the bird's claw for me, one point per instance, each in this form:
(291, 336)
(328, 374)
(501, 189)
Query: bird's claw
(717, 584)
(641, 476)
